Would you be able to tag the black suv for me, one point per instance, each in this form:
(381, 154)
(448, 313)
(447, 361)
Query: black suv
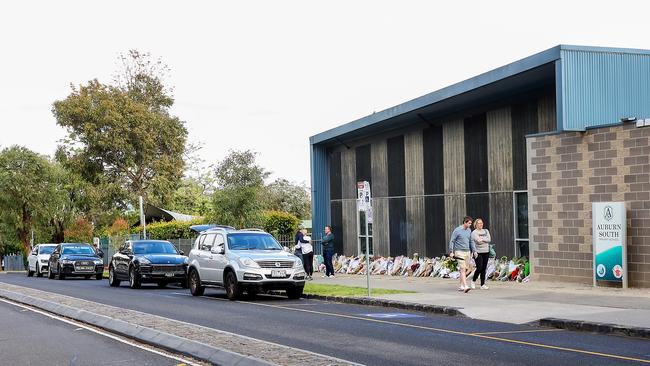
(75, 260)
(148, 261)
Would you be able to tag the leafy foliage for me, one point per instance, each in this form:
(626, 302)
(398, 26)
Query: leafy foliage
(280, 223)
(81, 231)
(123, 135)
(282, 195)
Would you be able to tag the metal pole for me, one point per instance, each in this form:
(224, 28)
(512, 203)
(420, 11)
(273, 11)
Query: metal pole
(367, 260)
(142, 219)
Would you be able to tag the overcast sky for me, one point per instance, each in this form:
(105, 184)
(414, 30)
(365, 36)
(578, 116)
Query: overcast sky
(266, 75)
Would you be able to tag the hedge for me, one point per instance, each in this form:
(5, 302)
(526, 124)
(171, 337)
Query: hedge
(280, 223)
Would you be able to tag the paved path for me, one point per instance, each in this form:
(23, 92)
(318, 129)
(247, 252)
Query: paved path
(367, 335)
(36, 339)
(518, 303)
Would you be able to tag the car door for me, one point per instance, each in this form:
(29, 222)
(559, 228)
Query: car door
(219, 257)
(54, 259)
(204, 257)
(32, 259)
(123, 259)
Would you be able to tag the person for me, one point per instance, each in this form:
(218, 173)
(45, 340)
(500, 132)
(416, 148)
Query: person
(298, 240)
(481, 238)
(307, 254)
(328, 251)
(98, 250)
(461, 247)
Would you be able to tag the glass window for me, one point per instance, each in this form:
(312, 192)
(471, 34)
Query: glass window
(208, 241)
(154, 247)
(248, 241)
(78, 249)
(46, 249)
(521, 206)
(219, 241)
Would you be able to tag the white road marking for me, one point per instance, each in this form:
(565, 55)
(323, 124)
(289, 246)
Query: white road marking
(102, 333)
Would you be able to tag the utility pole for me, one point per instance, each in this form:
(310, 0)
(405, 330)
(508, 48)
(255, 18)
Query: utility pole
(142, 219)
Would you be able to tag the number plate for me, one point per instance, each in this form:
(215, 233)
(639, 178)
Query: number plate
(278, 273)
(169, 274)
(86, 268)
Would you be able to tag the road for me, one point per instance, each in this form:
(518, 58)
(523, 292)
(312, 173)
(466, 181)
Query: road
(367, 335)
(32, 338)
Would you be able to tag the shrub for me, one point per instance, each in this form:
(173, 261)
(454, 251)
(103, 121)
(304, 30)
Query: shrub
(81, 231)
(119, 227)
(280, 223)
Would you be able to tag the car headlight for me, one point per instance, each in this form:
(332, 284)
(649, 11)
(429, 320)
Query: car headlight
(44, 260)
(297, 263)
(66, 261)
(186, 261)
(98, 261)
(144, 261)
(247, 262)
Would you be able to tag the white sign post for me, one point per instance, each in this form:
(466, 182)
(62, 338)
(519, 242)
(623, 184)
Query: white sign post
(609, 227)
(364, 203)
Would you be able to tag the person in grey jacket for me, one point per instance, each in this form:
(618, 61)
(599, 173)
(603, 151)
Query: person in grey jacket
(481, 238)
(461, 247)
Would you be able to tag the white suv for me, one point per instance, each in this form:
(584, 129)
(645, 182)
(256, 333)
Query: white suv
(38, 259)
(243, 260)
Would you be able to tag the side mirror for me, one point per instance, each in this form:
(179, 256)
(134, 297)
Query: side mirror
(181, 252)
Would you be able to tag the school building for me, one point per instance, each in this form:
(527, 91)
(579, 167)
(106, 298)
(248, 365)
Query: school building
(527, 147)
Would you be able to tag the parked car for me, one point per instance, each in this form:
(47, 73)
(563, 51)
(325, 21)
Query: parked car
(38, 258)
(243, 260)
(148, 261)
(75, 260)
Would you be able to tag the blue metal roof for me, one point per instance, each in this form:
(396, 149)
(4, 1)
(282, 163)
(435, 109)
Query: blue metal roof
(555, 65)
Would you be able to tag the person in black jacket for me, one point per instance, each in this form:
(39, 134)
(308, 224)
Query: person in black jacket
(328, 251)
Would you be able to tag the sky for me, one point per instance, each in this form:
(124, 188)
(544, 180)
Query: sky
(266, 75)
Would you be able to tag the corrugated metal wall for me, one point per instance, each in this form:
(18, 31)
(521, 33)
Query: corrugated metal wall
(320, 183)
(599, 88)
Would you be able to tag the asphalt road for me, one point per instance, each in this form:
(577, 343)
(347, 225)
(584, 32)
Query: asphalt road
(368, 335)
(30, 338)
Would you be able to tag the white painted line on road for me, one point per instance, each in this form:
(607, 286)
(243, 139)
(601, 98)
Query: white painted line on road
(102, 333)
(520, 331)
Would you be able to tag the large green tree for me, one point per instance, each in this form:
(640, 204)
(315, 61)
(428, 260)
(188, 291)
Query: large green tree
(27, 187)
(240, 182)
(283, 195)
(123, 135)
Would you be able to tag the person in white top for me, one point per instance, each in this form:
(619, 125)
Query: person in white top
(304, 244)
(482, 239)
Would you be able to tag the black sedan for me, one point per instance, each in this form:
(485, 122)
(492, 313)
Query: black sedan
(148, 261)
(75, 260)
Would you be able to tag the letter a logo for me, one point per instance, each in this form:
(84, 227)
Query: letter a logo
(608, 213)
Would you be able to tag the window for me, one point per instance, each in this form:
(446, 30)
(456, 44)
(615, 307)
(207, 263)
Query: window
(365, 233)
(207, 242)
(520, 206)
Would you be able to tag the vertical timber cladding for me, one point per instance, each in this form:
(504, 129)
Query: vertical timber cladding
(499, 145)
(454, 168)
(349, 191)
(396, 191)
(336, 219)
(476, 168)
(414, 179)
(434, 189)
(546, 117)
(524, 122)
(379, 187)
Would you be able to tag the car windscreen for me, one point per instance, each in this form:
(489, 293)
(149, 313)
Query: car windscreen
(154, 247)
(250, 241)
(46, 250)
(78, 249)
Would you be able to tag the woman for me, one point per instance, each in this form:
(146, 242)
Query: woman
(307, 254)
(481, 238)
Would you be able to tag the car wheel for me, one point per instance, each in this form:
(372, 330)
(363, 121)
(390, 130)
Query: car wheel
(59, 273)
(295, 293)
(162, 284)
(112, 280)
(30, 273)
(38, 271)
(50, 275)
(195, 283)
(99, 276)
(233, 290)
(134, 279)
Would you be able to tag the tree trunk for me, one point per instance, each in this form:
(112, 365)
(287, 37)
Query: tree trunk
(24, 231)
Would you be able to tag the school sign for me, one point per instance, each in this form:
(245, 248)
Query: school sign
(609, 240)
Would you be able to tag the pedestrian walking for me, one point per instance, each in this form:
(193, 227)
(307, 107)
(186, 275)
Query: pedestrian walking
(461, 247)
(481, 237)
(307, 254)
(328, 251)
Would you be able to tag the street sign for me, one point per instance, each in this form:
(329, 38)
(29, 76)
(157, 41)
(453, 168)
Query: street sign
(364, 198)
(609, 227)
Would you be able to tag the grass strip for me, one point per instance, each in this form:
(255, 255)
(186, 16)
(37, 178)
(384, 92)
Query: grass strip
(340, 290)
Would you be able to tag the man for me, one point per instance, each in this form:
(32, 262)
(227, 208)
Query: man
(328, 251)
(461, 247)
(98, 250)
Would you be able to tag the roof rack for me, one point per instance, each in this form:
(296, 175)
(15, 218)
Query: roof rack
(251, 229)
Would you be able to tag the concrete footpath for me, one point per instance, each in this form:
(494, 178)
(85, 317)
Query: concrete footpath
(521, 303)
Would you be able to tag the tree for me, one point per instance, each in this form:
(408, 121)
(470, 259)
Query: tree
(123, 135)
(240, 181)
(80, 231)
(26, 180)
(282, 195)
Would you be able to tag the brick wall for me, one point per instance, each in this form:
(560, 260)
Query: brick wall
(568, 171)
